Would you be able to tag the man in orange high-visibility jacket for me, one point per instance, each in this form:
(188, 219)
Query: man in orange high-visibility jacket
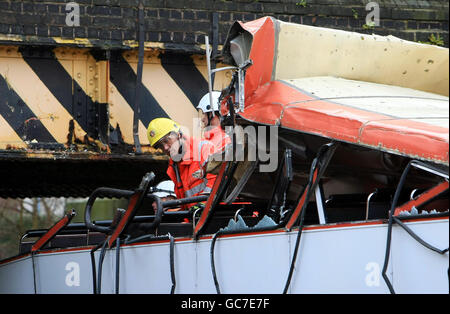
(188, 158)
(211, 122)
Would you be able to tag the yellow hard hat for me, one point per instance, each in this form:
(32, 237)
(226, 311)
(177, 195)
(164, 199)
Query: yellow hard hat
(160, 127)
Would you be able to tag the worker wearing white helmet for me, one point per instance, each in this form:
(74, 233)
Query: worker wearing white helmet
(165, 190)
(209, 111)
(211, 121)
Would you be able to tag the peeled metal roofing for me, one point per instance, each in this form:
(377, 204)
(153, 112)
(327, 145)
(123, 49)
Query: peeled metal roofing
(309, 51)
(285, 87)
(395, 121)
(393, 101)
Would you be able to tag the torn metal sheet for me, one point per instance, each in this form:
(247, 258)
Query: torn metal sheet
(355, 88)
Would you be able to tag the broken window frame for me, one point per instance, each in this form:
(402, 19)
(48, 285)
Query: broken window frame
(318, 167)
(395, 218)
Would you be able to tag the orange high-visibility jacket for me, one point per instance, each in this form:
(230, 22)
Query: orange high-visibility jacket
(188, 174)
(218, 137)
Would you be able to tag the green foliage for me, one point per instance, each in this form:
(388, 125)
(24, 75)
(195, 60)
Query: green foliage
(436, 40)
(102, 209)
(370, 25)
(355, 14)
(433, 40)
(301, 3)
(19, 215)
(13, 228)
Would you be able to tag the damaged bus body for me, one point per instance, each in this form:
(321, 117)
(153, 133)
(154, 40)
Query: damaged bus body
(358, 202)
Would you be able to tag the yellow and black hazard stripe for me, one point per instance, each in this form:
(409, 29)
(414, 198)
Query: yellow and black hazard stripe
(28, 106)
(43, 102)
(182, 70)
(62, 85)
(17, 122)
(50, 94)
(123, 81)
(172, 86)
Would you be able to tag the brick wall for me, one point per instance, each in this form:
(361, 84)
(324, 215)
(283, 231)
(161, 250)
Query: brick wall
(183, 24)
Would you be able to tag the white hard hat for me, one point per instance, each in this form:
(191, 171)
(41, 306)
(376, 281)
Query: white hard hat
(167, 189)
(204, 102)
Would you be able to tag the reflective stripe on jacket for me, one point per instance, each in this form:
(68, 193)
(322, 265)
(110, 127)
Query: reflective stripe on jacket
(188, 174)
